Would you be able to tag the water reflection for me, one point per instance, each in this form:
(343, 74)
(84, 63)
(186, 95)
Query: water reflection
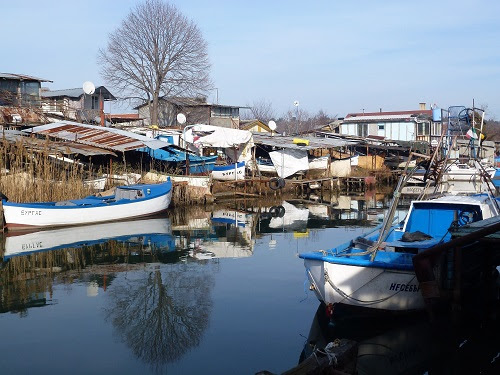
(162, 313)
(33, 262)
(154, 234)
(409, 344)
(155, 276)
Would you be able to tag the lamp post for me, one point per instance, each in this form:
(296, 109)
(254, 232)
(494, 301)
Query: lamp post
(296, 104)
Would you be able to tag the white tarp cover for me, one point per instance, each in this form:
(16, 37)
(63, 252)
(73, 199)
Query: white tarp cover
(289, 161)
(220, 137)
(236, 143)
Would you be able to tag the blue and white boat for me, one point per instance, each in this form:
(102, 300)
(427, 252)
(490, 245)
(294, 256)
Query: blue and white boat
(231, 172)
(132, 201)
(376, 271)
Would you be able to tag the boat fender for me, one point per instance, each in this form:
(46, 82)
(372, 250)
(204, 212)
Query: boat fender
(281, 211)
(274, 183)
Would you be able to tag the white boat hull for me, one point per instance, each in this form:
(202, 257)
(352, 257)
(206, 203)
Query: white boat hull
(23, 217)
(233, 173)
(368, 287)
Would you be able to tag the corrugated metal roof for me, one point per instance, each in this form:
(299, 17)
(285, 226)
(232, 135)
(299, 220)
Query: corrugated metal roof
(387, 116)
(97, 136)
(22, 77)
(77, 92)
(65, 148)
(287, 142)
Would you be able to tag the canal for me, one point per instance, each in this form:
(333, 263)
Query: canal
(198, 291)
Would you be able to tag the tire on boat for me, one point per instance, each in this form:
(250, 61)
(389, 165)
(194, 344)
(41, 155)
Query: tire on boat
(274, 183)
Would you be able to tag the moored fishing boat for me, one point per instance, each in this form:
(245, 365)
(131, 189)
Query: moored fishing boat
(229, 172)
(376, 271)
(128, 202)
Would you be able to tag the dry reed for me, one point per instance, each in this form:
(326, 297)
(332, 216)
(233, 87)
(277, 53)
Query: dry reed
(32, 175)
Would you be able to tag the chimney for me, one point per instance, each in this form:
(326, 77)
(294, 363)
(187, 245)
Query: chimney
(422, 106)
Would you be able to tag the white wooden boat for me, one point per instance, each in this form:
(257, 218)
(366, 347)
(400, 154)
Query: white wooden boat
(128, 202)
(265, 165)
(231, 172)
(378, 275)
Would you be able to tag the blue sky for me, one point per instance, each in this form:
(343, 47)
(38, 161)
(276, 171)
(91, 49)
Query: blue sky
(338, 56)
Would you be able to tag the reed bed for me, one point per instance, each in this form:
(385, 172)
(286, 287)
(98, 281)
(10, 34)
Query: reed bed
(32, 175)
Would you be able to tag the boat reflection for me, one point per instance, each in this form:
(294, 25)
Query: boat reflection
(231, 236)
(386, 345)
(32, 263)
(300, 215)
(411, 344)
(155, 234)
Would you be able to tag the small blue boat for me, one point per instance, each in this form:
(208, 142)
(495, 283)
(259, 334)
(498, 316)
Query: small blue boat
(198, 165)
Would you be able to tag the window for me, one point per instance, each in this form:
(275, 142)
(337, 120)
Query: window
(225, 112)
(362, 130)
(30, 92)
(8, 91)
(423, 128)
(95, 102)
(381, 127)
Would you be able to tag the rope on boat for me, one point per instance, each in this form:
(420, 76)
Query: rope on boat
(348, 297)
(329, 352)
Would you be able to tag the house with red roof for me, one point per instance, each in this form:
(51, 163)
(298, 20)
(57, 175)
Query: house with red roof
(410, 125)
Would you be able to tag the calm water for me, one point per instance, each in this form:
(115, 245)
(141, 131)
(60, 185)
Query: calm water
(196, 292)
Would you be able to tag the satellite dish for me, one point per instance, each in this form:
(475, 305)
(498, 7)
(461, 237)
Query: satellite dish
(296, 103)
(88, 87)
(181, 118)
(272, 125)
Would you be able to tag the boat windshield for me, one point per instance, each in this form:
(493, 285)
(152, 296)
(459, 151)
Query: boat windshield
(435, 219)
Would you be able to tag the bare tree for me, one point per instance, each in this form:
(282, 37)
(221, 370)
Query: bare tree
(155, 52)
(293, 121)
(262, 110)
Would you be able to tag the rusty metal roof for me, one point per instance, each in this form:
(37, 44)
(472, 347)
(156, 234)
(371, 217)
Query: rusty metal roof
(66, 148)
(97, 136)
